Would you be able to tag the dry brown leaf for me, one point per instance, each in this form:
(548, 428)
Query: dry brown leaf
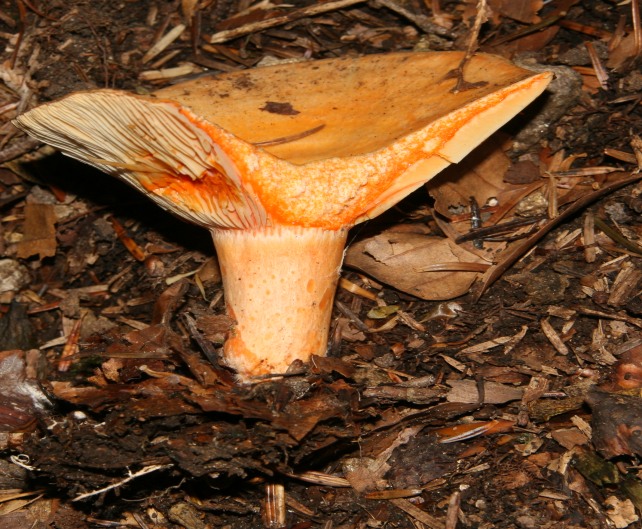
(621, 512)
(524, 11)
(32, 511)
(480, 175)
(39, 232)
(531, 42)
(538, 32)
(569, 437)
(366, 473)
(512, 480)
(624, 53)
(398, 259)
(302, 416)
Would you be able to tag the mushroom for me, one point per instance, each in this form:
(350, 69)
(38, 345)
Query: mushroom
(279, 162)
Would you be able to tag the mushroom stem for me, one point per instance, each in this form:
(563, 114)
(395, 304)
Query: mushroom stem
(279, 285)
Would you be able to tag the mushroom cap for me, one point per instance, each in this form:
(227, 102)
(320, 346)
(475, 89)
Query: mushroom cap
(362, 105)
(322, 144)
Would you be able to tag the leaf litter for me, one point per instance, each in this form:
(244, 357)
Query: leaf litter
(534, 376)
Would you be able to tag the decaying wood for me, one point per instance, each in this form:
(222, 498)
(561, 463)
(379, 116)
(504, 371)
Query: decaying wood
(438, 415)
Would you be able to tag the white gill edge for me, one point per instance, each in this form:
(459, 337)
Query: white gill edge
(133, 138)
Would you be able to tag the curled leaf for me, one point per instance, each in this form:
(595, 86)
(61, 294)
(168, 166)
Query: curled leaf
(400, 259)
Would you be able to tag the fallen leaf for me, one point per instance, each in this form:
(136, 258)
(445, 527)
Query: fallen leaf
(479, 175)
(39, 232)
(399, 259)
(620, 512)
(366, 473)
(623, 53)
(569, 437)
(524, 11)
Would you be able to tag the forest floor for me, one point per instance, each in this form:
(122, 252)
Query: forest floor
(513, 400)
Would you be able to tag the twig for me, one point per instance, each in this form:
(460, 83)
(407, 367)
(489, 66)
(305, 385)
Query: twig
(617, 316)
(473, 43)
(482, 16)
(275, 510)
(141, 472)
(421, 21)
(352, 317)
(163, 42)
(616, 236)
(511, 256)
(100, 44)
(37, 11)
(534, 28)
(497, 229)
(71, 346)
(453, 510)
(229, 34)
(637, 27)
(600, 71)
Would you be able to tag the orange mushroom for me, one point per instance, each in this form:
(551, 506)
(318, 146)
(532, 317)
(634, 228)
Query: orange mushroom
(279, 162)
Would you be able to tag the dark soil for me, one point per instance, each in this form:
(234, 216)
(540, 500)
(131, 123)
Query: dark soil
(519, 407)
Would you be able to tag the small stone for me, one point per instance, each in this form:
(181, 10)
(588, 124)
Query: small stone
(13, 276)
(561, 95)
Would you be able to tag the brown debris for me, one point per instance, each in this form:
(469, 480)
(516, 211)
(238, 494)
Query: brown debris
(400, 259)
(40, 232)
(273, 21)
(536, 383)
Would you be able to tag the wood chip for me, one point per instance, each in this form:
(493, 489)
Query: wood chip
(391, 494)
(417, 513)
(170, 73)
(163, 42)
(625, 286)
(459, 366)
(512, 343)
(553, 337)
(320, 478)
(588, 234)
(582, 425)
(561, 312)
(485, 346)
(554, 495)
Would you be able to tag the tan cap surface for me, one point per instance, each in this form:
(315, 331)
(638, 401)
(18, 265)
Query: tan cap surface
(363, 133)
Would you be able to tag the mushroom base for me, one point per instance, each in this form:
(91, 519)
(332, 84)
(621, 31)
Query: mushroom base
(279, 287)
